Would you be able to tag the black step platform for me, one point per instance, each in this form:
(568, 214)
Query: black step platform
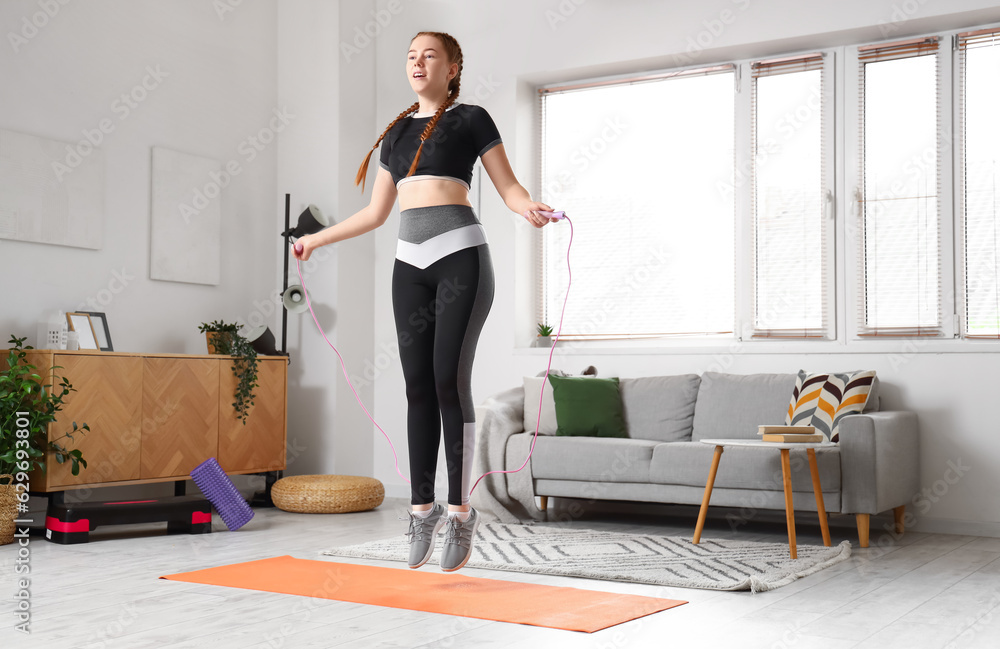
(68, 523)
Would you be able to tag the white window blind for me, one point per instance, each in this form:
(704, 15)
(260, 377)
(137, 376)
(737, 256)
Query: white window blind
(644, 167)
(791, 234)
(898, 198)
(979, 193)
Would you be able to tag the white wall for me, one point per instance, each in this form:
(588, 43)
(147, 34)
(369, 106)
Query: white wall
(312, 59)
(331, 92)
(218, 88)
(510, 46)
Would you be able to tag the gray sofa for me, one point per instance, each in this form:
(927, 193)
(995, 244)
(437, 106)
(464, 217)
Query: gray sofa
(872, 470)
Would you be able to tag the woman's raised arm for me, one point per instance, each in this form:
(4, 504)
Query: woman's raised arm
(514, 195)
(364, 220)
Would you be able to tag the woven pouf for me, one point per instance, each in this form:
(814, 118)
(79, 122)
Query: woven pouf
(327, 494)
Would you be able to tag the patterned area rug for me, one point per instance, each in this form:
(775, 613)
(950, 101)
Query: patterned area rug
(637, 558)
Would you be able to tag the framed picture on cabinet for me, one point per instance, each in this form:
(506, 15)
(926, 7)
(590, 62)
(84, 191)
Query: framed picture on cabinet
(101, 331)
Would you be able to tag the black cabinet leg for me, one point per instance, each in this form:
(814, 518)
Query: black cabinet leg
(263, 498)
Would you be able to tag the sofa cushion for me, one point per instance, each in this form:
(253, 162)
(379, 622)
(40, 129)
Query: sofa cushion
(593, 459)
(532, 392)
(823, 399)
(659, 408)
(588, 406)
(874, 399)
(741, 467)
(734, 405)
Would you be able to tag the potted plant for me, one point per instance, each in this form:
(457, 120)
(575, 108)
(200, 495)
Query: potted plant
(226, 339)
(544, 335)
(25, 399)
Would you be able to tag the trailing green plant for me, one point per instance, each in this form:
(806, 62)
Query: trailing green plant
(544, 330)
(22, 391)
(244, 366)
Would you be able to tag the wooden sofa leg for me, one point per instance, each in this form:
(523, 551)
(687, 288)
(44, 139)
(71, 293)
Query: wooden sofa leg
(862, 529)
(898, 513)
(545, 503)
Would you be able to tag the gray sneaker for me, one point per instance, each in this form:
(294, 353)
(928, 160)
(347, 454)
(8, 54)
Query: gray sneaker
(423, 533)
(458, 538)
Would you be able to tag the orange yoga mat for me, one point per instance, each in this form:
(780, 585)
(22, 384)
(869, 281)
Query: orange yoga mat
(572, 609)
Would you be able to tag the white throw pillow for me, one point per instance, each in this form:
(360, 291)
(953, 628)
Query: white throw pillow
(532, 390)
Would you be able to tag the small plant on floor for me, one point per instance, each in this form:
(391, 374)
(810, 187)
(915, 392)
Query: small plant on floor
(228, 341)
(27, 406)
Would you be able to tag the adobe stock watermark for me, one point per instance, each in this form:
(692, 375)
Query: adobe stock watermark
(924, 501)
(116, 285)
(599, 488)
(586, 154)
(302, 612)
(787, 125)
(971, 626)
(631, 281)
(712, 29)
(366, 33)
(752, 505)
(249, 148)
(790, 637)
(224, 7)
(420, 320)
(105, 469)
(198, 543)
(901, 12)
(31, 27)
(107, 634)
(122, 107)
(562, 12)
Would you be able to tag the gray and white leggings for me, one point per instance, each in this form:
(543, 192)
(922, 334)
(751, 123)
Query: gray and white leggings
(442, 291)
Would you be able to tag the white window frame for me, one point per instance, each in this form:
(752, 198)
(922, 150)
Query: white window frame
(852, 191)
(958, 203)
(744, 204)
(844, 121)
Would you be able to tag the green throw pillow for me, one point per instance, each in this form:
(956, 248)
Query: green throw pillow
(588, 407)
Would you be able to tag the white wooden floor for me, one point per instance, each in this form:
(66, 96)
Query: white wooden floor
(922, 590)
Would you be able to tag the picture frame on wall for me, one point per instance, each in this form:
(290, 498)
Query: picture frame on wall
(100, 323)
(82, 324)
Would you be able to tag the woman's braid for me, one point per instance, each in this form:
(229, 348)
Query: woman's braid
(454, 52)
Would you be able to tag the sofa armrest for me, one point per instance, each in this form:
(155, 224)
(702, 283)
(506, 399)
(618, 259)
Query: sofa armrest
(879, 461)
(507, 497)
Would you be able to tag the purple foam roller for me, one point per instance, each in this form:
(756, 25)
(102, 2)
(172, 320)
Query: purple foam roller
(222, 493)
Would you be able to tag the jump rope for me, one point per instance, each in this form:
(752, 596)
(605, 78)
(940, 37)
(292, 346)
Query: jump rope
(552, 215)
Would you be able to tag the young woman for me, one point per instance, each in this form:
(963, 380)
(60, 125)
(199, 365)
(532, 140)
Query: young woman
(442, 279)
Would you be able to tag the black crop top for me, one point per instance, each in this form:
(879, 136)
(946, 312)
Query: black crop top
(463, 133)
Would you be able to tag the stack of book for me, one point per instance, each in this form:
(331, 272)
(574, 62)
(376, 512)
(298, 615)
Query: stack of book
(786, 434)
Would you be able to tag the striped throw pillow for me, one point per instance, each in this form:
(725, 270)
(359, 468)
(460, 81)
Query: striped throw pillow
(823, 400)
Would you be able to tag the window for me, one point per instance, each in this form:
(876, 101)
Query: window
(643, 167)
(706, 198)
(979, 190)
(791, 258)
(898, 198)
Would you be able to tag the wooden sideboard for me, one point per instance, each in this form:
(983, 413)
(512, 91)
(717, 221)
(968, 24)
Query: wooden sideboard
(155, 417)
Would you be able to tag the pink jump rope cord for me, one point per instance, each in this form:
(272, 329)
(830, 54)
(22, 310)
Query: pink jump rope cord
(556, 215)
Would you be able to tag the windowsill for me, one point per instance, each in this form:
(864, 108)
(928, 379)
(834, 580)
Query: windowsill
(898, 346)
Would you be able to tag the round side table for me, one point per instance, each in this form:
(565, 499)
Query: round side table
(786, 476)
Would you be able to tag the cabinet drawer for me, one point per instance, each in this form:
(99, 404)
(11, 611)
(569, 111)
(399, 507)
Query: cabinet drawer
(108, 397)
(260, 444)
(180, 415)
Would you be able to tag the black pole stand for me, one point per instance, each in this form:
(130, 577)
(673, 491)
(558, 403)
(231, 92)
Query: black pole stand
(263, 498)
(284, 283)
